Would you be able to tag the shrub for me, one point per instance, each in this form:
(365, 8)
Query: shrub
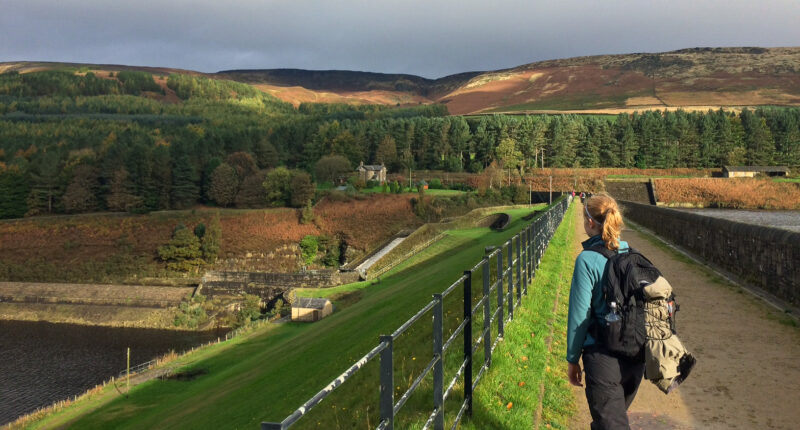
(308, 249)
(191, 312)
(330, 247)
(435, 184)
(210, 240)
(307, 216)
(249, 310)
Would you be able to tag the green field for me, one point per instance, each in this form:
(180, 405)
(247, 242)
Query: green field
(269, 374)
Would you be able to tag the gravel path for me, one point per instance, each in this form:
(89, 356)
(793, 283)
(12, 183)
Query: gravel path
(748, 371)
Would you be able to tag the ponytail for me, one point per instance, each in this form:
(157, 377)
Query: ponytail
(604, 210)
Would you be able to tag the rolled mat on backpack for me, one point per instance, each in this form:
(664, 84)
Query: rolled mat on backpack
(667, 362)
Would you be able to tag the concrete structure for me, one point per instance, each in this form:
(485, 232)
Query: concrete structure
(372, 172)
(310, 310)
(633, 191)
(752, 171)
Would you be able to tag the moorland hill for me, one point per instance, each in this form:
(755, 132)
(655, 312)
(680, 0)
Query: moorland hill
(692, 79)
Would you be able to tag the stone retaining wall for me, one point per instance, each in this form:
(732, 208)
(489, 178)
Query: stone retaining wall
(766, 257)
(270, 285)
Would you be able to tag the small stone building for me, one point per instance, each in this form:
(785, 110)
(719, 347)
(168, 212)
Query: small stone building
(752, 171)
(372, 172)
(311, 309)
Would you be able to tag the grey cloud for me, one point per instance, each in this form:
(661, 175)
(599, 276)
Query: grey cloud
(427, 38)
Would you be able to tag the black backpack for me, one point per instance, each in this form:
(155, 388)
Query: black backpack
(625, 276)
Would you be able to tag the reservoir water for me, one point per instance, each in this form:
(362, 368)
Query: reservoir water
(41, 363)
(787, 220)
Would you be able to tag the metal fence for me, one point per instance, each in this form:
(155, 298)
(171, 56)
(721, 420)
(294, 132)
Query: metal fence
(503, 282)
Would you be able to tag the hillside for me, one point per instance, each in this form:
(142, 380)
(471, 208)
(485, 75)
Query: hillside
(696, 78)
(693, 79)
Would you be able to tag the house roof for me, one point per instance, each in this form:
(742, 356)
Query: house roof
(376, 168)
(755, 168)
(310, 303)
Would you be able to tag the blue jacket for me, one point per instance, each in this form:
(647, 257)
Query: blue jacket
(585, 294)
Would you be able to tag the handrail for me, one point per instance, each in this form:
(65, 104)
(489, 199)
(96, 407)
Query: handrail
(516, 261)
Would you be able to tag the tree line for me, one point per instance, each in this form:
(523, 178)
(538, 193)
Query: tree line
(78, 143)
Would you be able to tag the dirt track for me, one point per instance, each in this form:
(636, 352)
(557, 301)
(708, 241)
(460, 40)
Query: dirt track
(748, 370)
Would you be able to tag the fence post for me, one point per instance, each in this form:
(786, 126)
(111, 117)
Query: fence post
(387, 384)
(510, 300)
(500, 293)
(524, 261)
(487, 315)
(438, 368)
(468, 341)
(531, 268)
(519, 271)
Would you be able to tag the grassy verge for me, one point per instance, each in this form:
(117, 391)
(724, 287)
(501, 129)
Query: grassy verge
(265, 376)
(525, 387)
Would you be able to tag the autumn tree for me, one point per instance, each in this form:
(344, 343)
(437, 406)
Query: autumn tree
(277, 185)
(80, 195)
(302, 189)
(331, 168)
(251, 191)
(386, 153)
(224, 185)
(122, 197)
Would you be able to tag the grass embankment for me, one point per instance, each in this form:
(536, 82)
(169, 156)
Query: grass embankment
(526, 387)
(268, 375)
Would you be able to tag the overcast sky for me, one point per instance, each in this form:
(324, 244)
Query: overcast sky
(430, 38)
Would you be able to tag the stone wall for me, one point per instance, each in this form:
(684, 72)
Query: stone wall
(270, 285)
(766, 257)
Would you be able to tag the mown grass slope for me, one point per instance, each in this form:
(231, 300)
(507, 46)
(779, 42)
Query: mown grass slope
(268, 375)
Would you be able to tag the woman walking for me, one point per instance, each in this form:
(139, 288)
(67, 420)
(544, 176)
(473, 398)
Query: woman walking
(611, 382)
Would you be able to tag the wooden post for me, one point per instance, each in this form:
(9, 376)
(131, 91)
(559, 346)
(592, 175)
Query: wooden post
(128, 371)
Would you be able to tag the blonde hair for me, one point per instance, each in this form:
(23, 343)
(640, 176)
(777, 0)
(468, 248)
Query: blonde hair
(603, 209)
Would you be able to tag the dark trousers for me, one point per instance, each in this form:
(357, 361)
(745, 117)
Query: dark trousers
(611, 385)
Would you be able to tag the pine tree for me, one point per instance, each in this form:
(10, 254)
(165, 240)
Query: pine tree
(182, 252)
(185, 191)
(14, 189)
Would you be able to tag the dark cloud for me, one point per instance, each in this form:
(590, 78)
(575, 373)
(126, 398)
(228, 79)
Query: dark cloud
(430, 38)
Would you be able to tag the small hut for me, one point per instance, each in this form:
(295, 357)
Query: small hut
(752, 171)
(310, 309)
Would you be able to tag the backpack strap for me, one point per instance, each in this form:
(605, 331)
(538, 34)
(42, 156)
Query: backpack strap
(609, 254)
(600, 249)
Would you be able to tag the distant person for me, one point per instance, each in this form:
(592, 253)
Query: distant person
(583, 196)
(611, 382)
